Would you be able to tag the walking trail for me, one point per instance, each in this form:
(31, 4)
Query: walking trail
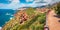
(52, 21)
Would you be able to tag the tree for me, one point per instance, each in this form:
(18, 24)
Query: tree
(58, 8)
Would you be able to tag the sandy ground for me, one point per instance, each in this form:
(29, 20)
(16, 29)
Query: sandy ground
(52, 21)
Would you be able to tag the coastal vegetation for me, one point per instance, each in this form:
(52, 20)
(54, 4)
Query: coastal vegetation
(32, 20)
(58, 8)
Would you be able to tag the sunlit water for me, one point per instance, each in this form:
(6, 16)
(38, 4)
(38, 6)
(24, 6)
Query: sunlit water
(6, 15)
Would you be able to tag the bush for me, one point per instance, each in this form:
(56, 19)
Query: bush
(58, 8)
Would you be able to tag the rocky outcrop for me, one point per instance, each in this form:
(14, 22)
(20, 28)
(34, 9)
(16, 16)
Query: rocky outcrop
(21, 16)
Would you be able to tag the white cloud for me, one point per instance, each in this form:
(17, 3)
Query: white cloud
(29, 0)
(15, 4)
(37, 1)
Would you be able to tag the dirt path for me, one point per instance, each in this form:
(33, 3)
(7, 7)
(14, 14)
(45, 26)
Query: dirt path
(52, 21)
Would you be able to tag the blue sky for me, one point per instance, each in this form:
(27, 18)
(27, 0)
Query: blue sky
(9, 1)
(15, 4)
(4, 1)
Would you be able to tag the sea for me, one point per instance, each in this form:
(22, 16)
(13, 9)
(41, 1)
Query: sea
(6, 15)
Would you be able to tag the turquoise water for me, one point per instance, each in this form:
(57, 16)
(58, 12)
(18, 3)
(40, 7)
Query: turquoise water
(5, 15)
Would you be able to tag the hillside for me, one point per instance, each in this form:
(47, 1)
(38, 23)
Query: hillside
(30, 20)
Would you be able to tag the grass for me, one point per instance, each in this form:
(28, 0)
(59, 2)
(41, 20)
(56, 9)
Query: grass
(29, 24)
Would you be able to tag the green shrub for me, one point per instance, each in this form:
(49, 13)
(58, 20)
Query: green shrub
(58, 8)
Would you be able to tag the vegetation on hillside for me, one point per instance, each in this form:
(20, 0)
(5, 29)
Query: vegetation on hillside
(58, 8)
(35, 21)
